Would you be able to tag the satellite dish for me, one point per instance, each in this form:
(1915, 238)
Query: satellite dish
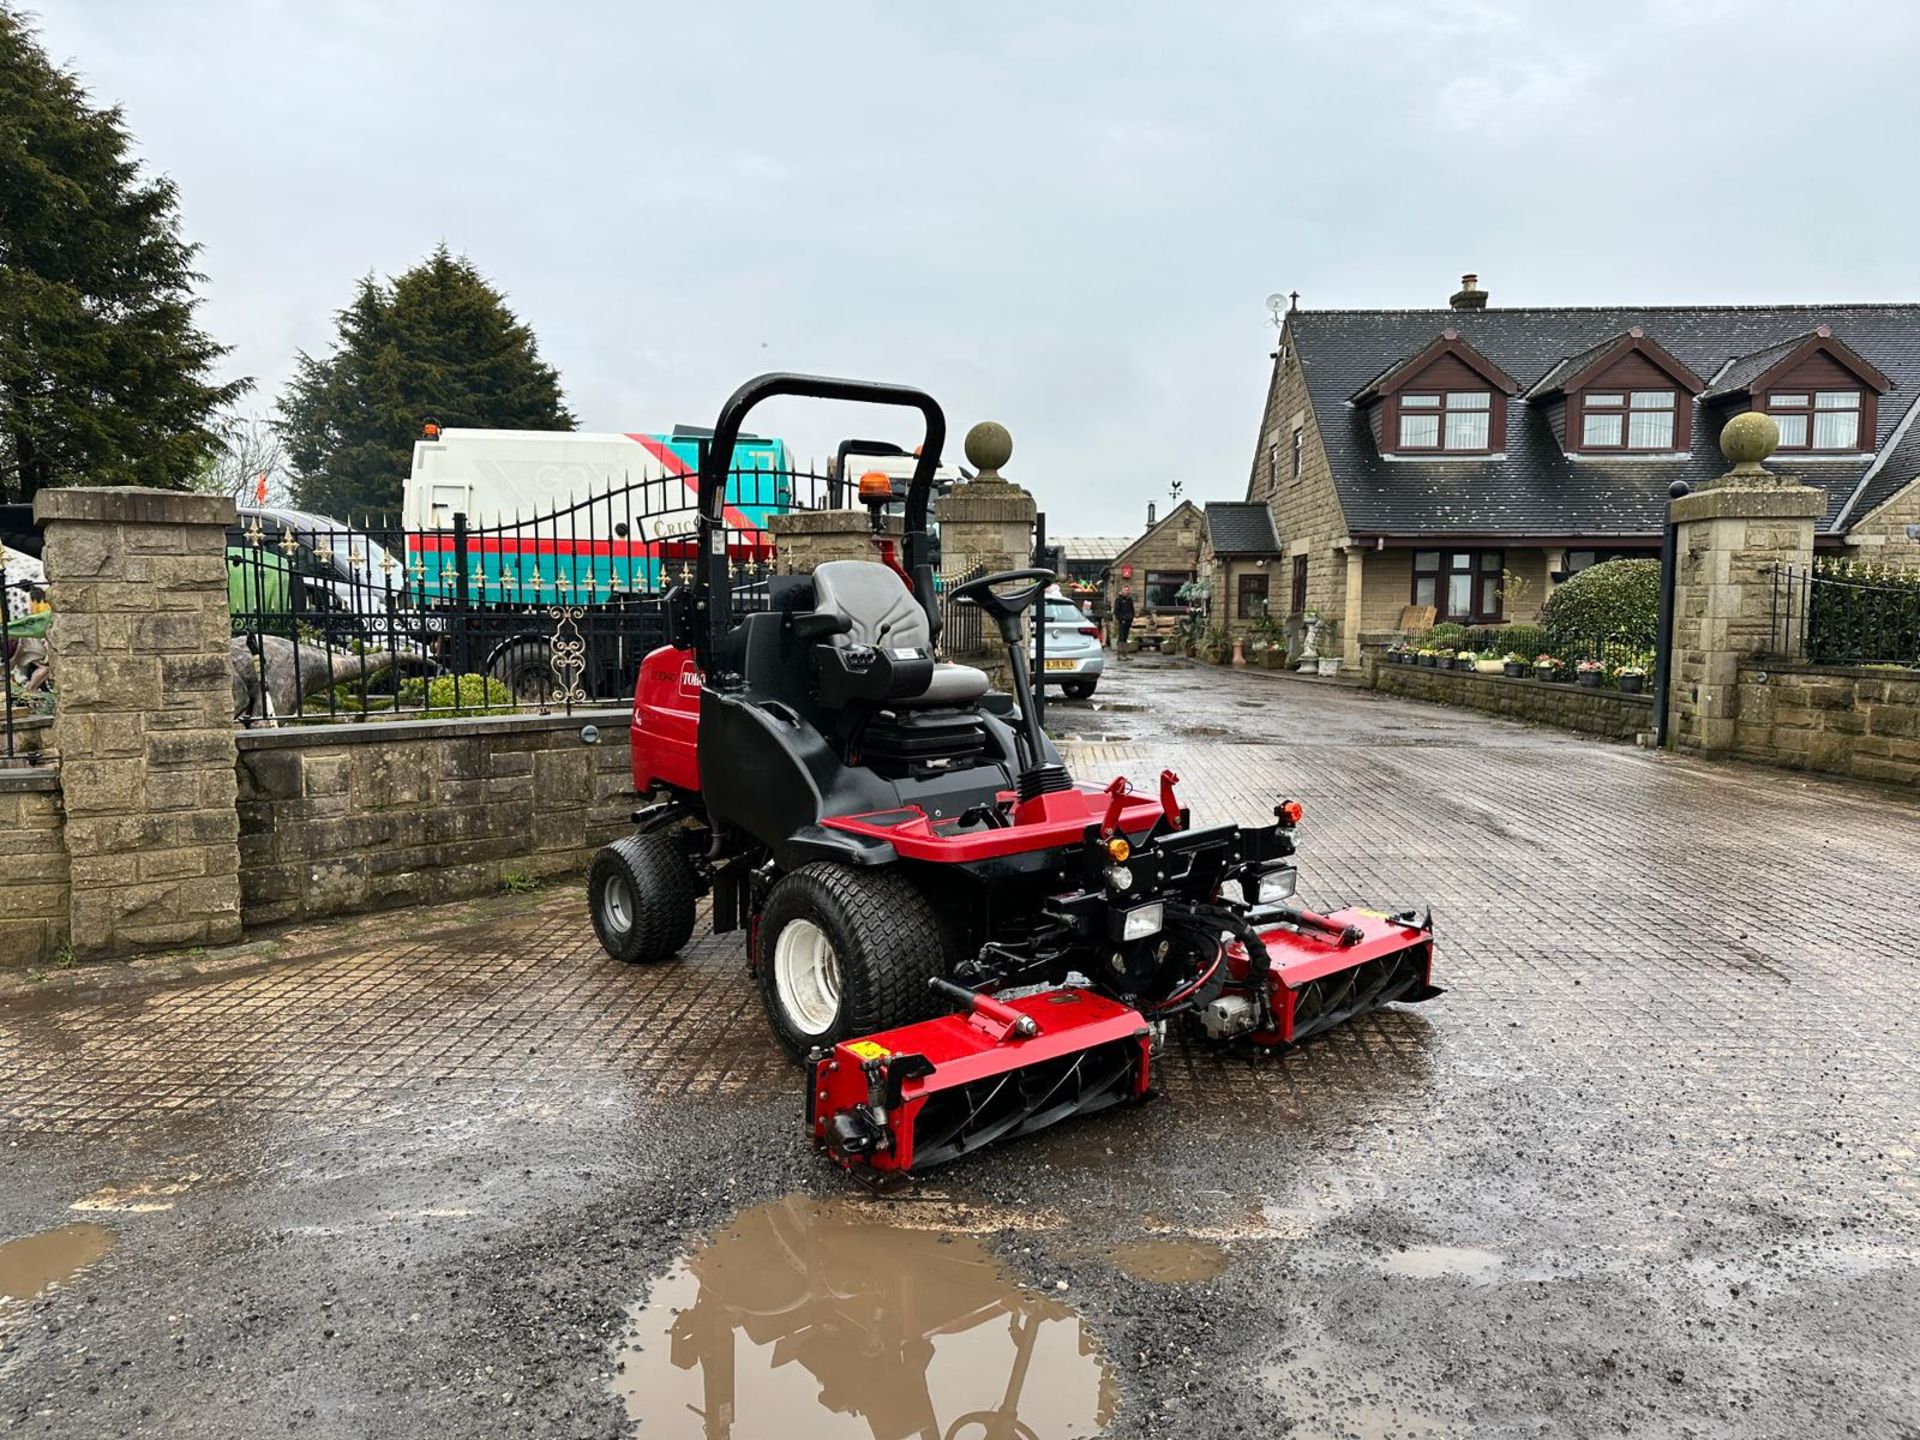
(1276, 303)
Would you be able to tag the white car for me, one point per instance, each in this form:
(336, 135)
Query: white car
(1073, 659)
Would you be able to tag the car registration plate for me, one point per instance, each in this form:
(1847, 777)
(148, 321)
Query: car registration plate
(1063, 664)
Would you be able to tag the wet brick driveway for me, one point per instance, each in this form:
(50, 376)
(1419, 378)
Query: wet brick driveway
(1649, 1168)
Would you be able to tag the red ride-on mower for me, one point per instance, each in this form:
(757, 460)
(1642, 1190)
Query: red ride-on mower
(959, 942)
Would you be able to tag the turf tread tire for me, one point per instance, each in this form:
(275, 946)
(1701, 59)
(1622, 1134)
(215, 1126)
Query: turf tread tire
(886, 938)
(664, 891)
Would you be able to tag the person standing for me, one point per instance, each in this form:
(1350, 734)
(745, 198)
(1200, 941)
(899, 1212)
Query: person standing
(1123, 616)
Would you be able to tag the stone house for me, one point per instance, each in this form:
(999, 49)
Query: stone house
(1239, 556)
(1471, 458)
(1156, 565)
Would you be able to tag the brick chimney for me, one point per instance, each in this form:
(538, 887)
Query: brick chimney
(1469, 296)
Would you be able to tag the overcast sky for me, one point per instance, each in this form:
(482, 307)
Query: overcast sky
(1063, 217)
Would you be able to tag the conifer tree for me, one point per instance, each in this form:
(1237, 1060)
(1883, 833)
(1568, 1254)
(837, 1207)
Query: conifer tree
(437, 342)
(104, 377)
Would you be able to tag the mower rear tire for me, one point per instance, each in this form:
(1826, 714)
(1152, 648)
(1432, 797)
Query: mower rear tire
(845, 952)
(640, 893)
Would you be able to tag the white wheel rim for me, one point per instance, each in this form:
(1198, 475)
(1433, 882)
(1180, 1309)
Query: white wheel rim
(806, 976)
(616, 902)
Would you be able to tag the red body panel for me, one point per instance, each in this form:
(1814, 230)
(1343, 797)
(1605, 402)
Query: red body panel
(1299, 959)
(666, 721)
(964, 1049)
(1038, 824)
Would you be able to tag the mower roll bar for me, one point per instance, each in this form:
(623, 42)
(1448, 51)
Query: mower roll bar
(712, 590)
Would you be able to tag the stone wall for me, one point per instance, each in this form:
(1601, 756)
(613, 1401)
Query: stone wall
(341, 818)
(33, 873)
(1606, 713)
(1880, 536)
(1306, 511)
(1861, 722)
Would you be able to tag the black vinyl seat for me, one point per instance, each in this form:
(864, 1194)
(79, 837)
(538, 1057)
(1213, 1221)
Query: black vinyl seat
(885, 614)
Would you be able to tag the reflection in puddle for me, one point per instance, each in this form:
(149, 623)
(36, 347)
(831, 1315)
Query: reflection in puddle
(1444, 1262)
(808, 1320)
(1169, 1262)
(32, 1263)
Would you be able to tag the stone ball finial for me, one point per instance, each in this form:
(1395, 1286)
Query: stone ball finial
(1749, 438)
(989, 446)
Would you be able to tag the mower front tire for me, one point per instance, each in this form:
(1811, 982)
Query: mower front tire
(640, 892)
(845, 952)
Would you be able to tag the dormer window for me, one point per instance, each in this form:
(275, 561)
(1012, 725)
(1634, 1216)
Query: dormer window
(1817, 419)
(1823, 394)
(1445, 400)
(1628, 419)
(1456, 420)
(1626, 395)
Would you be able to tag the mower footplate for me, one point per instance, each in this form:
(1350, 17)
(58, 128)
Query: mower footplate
(1318, 981)
(905, 1100)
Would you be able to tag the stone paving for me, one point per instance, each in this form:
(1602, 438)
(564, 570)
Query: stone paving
(1680, 996)
(1598, 909)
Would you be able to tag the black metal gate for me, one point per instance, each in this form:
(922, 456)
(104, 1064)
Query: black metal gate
(553, 609)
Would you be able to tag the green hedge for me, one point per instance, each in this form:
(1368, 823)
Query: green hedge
(1621, 597)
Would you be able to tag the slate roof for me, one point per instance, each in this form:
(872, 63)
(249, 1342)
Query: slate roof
(1536, 489)
(1748, 368)
(1237, 527)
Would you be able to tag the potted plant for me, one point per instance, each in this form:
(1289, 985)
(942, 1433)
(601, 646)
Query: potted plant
(1546, 667)
(1633, 679)
(1513, 666)
(1489, 663)
(1590, 673)
(1464, 659)
(1429, 658)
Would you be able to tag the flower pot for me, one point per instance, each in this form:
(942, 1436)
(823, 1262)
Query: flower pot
(1632, 684)
(1513, 669)
(1590, 679)
(1489, 667)
(1273, 659)
(1330, 665)
(1429, 660)
(1543, 672)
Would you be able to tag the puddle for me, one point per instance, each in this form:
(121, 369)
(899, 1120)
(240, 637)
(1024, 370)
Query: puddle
(1444, 1262)
(29, 1265)
(816, 1321)
(1169, 1262)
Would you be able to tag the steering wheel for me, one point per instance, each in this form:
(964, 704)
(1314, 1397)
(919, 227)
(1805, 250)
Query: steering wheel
(982, 592)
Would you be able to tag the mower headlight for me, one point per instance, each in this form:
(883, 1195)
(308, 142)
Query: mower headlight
(1119, 878)
(1278, 885)
(1142, 921)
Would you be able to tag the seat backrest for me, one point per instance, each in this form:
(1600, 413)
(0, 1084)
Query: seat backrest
(874, 599)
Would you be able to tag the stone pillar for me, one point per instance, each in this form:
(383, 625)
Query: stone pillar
(1732, 533)
(1350, 626)
(987, 523)
(144, 726)
(804, 539)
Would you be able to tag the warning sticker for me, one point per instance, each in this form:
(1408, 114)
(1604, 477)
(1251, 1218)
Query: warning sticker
(868, 1049)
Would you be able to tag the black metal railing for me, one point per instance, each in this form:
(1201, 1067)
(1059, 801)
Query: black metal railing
(1846, 613)
(963, 628)
(391, 617)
